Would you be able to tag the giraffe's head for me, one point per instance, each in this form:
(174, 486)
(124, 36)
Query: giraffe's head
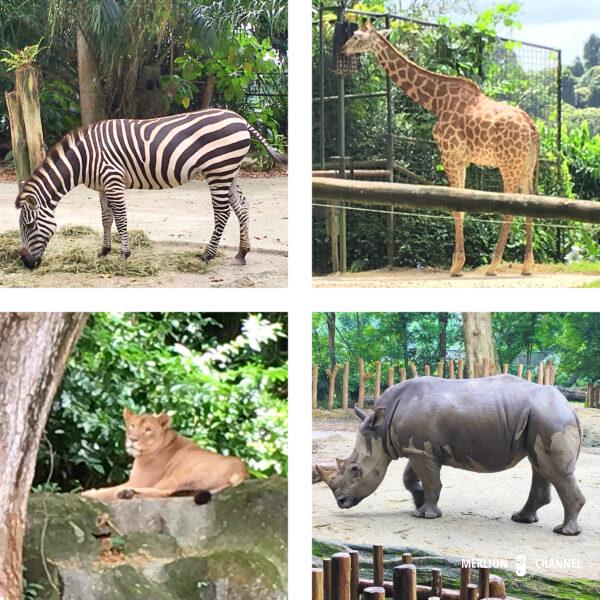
(364, 40)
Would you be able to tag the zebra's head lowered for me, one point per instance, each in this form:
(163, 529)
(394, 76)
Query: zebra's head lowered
(37, 226)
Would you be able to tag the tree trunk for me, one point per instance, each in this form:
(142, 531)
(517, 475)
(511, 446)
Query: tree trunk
(91, 97)
(331, 338)
(207, 94)
(17, 136)
(26, 86)
(442, 335)
(480, 348)
(35, 348)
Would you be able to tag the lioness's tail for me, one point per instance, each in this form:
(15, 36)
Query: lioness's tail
(278, 156)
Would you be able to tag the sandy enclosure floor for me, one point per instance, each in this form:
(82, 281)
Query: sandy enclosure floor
(177, 219)
(476, 512)
(509, 277)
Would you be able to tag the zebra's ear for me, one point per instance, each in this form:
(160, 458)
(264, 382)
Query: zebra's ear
(21, 184)
(27, 200)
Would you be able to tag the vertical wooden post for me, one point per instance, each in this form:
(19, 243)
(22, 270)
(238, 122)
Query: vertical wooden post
(413, 369)
(589, 395)
(335, 237)
(461, 368)
(547, 374)
(26, 86)
(465, 580)
(407, 558)
(391, 373)
(340, 576)
(374, 593)
(505, 369)
(332, 375)
(472, 592)
(484, 582)
(345, 385)
(440, 368)
(427, 370)
(377, 379)
(519, 370)
(540, 375)
(451, 369)
(529, 374)
(378, 566)
(315, 385)
(317, 584)
(402, 374)
(405, 582)
(362, 378)
(17, 136)
(436, 582)
(327, 579)
(497, 587)
(354, 574)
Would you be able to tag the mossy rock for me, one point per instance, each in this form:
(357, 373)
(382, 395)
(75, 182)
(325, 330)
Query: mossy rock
(159, 545)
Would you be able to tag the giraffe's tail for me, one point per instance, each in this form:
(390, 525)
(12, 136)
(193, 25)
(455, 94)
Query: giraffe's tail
(275, 154)
(536, 174)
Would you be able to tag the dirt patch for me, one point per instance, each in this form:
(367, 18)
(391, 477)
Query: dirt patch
(476, 512)
(509, 276)
(177, 222)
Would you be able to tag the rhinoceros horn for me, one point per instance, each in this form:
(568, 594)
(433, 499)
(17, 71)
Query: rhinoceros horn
(361, 414)
(324, 474)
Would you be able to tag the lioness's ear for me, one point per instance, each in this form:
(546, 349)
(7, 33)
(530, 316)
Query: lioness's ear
(127, 414)
(164, 420)
(378, 417)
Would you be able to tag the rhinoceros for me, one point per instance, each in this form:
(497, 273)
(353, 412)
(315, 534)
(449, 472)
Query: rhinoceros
(483, 425)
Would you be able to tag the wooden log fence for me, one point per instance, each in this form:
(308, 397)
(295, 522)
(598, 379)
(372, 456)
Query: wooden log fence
(339, 579)
(592, 396)
(451, 369)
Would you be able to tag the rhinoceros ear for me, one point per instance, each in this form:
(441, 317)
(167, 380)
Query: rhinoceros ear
(340, 462)
(378, 417)
(361, 414)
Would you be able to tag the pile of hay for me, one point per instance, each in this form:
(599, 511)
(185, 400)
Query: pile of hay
(74, 249)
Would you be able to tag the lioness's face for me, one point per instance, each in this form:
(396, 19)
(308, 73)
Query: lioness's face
(144, 433)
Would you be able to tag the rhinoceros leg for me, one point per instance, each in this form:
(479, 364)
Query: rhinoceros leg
(572, 500)
(428, 471)
(539, 496)
(413, 484)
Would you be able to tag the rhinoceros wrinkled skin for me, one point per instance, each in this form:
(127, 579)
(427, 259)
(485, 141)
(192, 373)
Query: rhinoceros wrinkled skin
(482, 425)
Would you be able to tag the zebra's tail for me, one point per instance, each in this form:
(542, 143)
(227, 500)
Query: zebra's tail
(278, 156)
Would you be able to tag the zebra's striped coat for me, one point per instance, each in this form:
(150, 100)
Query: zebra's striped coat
(119, 154)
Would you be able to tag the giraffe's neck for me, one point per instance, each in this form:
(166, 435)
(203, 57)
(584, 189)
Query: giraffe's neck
(424, 87)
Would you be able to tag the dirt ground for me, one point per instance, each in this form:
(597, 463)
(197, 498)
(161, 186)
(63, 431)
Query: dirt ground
(179, 219)
(508, 277)
(476, 510)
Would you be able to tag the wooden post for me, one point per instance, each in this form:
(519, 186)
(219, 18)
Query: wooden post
(413, 369)
(26, 86)
(378, 565)
(345, 385)
(402, 374)
(17, 136)
(497, 587)
(519, 370)
(436, 582)
(461, 368)
(374, 593)
(484, 582)
(427, 370)
(472, 592)
(505, 369)
(407, 558)
(547, 374)
(362, 378)
(405, 582)
(377, 379)
(335, 237)
(391, 374)
(332, 375)
(317, 584)
(315, 384)
(596, 397)
(540, 376)
(354, 574)
(340, 576)
(451, 369)
(327, 579)
(440, 368)
(589, 395)
(465, 580)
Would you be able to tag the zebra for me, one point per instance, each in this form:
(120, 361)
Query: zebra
(118, 154)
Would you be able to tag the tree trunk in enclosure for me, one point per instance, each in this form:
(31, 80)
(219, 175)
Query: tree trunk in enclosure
(331, 339)
(17, 136)
(531, 336)
(35, 348)
(207, 94)
(480, 348)
(26, 87)
(91, 96)
(442, 335)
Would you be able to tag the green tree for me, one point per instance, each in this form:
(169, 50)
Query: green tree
(591, 51)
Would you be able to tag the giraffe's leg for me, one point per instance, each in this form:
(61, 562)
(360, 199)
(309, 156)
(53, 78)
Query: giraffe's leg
(115, 198)
(107, 221)
(456, 178)
(239, 204)
(219, 192)
(528, 261)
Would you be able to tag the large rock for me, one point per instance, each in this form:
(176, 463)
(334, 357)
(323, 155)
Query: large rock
(171, 549)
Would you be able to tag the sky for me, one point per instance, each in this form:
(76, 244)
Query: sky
(564, 24)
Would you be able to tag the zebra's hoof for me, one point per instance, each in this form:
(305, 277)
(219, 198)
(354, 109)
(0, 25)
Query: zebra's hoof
(126, 254)
(206, 258)
(238, 260)
(104, 252)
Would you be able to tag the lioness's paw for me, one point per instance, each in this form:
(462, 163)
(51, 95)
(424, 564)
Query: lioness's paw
(126, 494)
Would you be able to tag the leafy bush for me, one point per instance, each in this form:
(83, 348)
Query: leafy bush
(229, 397)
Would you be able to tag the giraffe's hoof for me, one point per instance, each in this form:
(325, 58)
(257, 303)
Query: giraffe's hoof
(456, 273)
(126, 494)
(491, 273)
(527, 273)
(103, 252)
(125, 254)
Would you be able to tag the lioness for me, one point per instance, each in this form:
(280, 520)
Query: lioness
(166, 464)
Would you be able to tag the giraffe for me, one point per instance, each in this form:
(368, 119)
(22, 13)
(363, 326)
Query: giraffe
(469, 128)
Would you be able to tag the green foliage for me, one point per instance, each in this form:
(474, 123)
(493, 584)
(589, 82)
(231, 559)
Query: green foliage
(21, 58)
(591, 52)
(228, 396)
